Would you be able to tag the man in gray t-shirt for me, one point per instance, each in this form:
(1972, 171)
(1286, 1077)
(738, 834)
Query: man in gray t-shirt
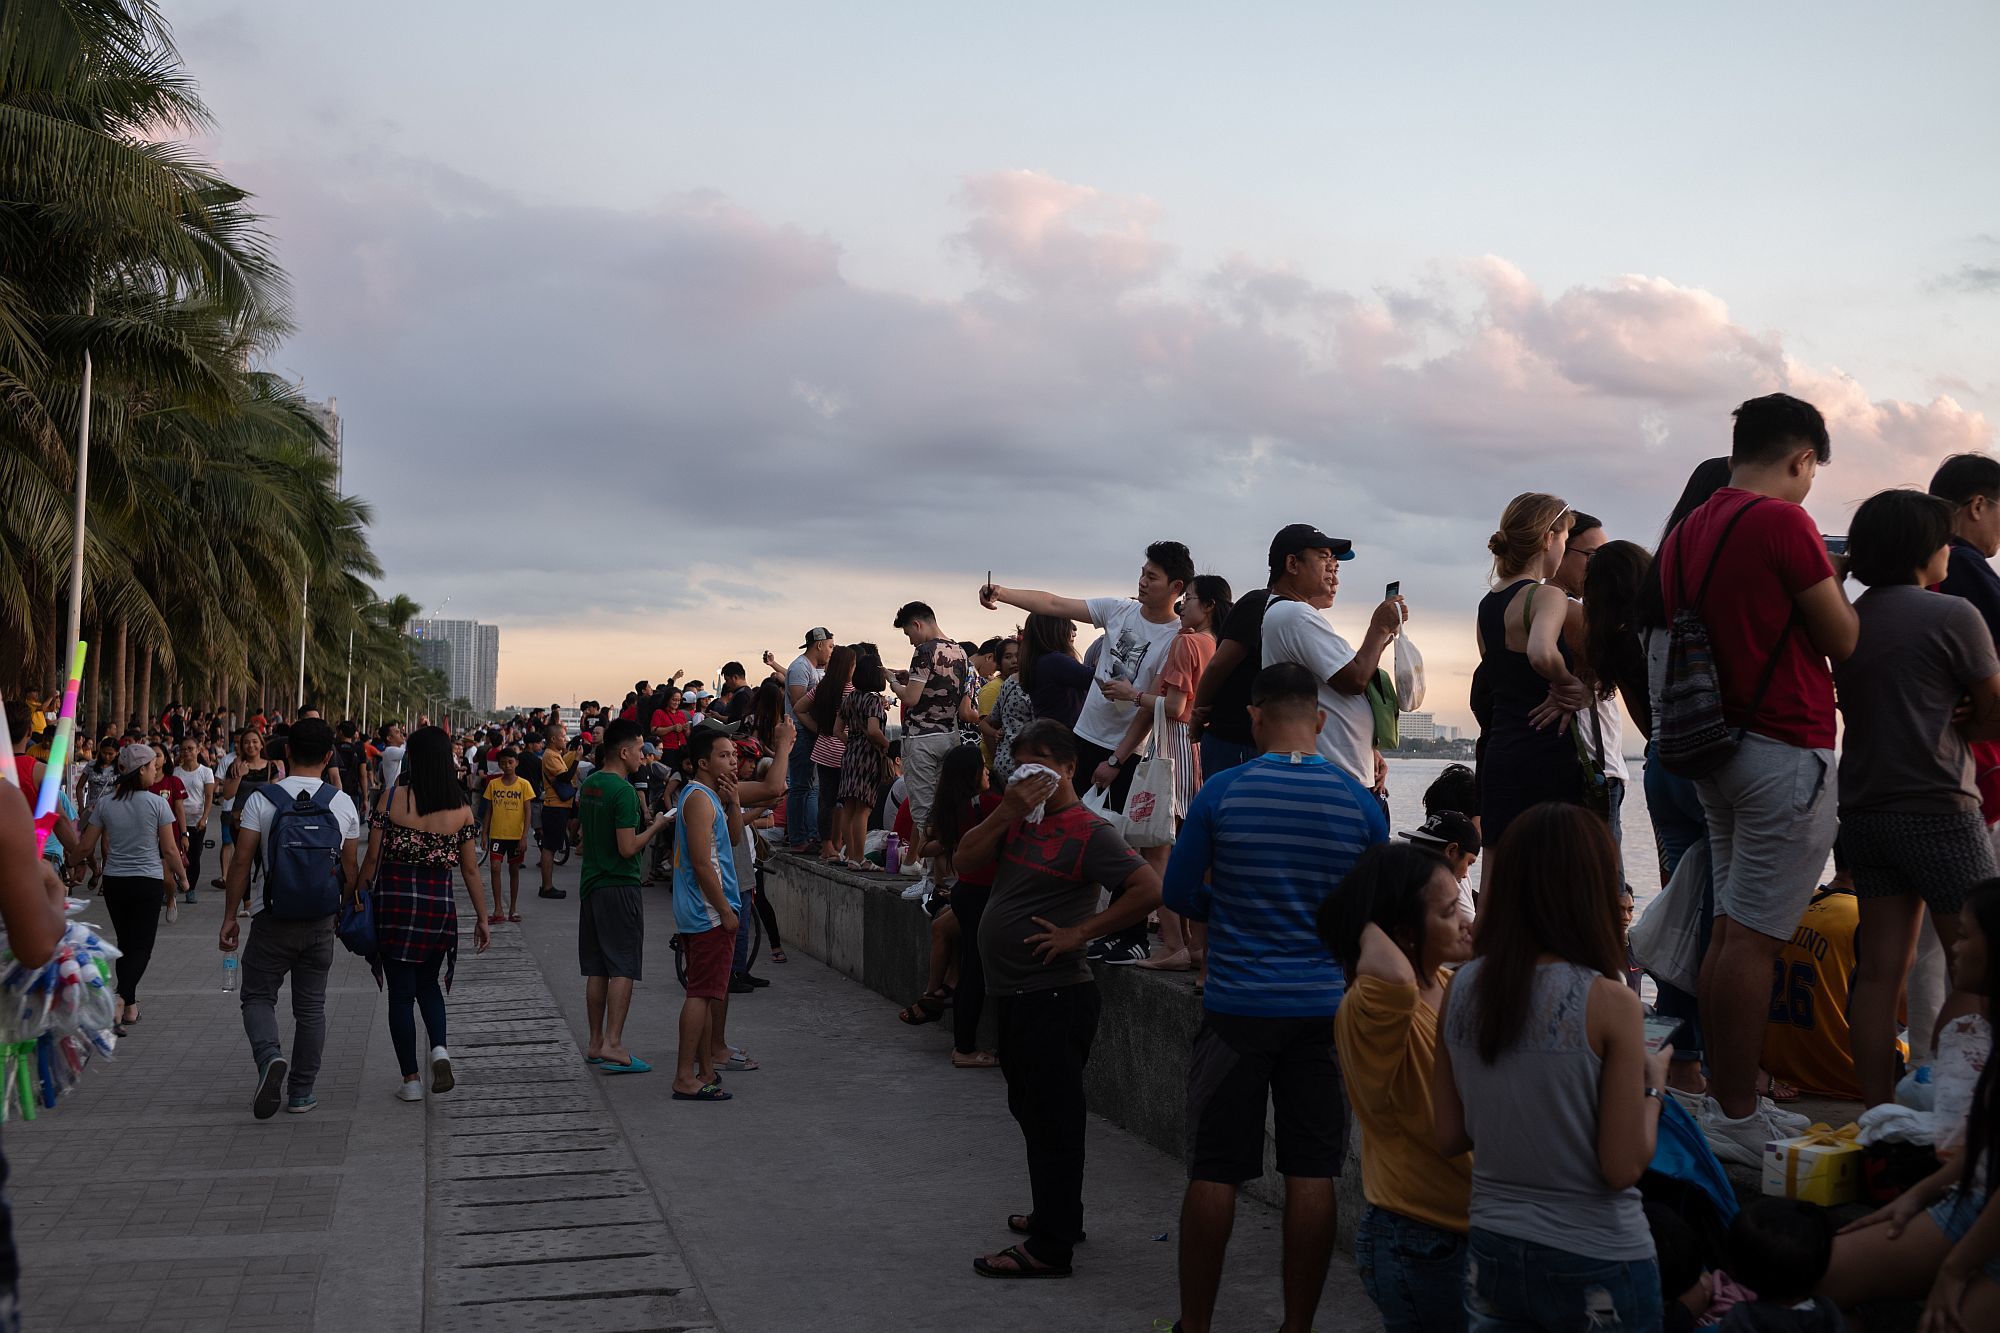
(801, 778)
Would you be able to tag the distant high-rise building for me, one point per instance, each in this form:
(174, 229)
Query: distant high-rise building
(1419, 727)
(467, 652)
(328, 416)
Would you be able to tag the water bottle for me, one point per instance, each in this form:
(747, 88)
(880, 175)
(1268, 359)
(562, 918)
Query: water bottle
(892, 855)
(228, 973)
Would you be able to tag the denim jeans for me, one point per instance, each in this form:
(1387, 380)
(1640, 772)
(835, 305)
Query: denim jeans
(1413, 1271)
(1516, 1284)
(414, 987)
(801, 781)
(1674, 805)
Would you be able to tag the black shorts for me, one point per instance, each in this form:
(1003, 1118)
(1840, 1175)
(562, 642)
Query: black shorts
(555, 827)
(611, 932)
(506, 849)
(1088, 756)
(1240, 1062)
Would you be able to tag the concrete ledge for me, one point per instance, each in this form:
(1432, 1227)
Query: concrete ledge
(861, 926)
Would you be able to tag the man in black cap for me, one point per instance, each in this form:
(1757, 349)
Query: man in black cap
(801, 803)
(1454, 837)
(1298, 565)
(1296, 630)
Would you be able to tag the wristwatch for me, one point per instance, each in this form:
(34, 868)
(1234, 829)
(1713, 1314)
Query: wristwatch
(1656, 1092)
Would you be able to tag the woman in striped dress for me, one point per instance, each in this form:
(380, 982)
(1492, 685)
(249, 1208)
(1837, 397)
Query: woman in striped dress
(424, 833)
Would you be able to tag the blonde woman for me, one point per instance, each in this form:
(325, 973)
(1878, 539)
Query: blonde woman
(1525, 689)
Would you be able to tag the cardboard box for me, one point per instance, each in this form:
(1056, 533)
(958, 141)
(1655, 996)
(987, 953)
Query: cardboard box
(1821, 1166)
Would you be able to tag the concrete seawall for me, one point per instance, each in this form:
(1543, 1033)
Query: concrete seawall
(860, 925)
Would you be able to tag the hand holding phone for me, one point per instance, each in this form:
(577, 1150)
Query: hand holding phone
(1660, 1031)
(1835, 546)
(1395, 590)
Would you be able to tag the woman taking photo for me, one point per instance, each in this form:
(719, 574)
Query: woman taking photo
(1526, 753)
(1394, 925)
(141, 863)
(424, 832)
(1543, 1075)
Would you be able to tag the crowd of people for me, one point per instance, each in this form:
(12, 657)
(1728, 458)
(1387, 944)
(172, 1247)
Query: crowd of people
(1491, 1047)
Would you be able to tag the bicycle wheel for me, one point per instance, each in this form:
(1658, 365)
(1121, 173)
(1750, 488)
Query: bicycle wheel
(756, 925)
(680, 960)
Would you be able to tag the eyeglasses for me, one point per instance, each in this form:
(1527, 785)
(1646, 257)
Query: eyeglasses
(1591, 554)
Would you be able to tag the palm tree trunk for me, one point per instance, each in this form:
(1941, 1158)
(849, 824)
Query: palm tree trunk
(146, 685)
(92, 704)
(119, 677)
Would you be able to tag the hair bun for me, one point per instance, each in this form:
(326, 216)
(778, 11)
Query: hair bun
(1497, 543)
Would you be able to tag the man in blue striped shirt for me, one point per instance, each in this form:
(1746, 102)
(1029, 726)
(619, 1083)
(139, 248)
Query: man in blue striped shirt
(1264, 845)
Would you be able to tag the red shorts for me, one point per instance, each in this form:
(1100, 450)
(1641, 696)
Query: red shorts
(709, 956)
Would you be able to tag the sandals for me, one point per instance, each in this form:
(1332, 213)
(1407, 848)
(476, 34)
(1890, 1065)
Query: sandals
(709, 1092)
(974, 1060)
(929, 1008)
(514, 917)
(778, 956)
(1019, 1264)
(861, 867)
(1021, 1224)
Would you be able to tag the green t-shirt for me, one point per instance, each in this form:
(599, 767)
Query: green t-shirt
(604, 804)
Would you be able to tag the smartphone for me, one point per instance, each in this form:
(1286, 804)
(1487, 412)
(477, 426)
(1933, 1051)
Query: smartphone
(1835, 545)
(1660, 1031)
(1395, 591)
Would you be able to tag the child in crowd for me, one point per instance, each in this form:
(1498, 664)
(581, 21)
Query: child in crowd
(1686, 1291)
(507, 797)
(1779, 1251)
(1455, 838)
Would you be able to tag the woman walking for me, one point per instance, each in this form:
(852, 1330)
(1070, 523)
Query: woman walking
(421, 835)
(1526, 753)
(1545, 1077)
(248, 772)
(141, 863)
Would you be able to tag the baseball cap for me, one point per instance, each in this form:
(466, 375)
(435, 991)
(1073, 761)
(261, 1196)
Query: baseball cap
(712, 727)
(1296, 537)
(1446, 826)
(818, 634)
(135, 757)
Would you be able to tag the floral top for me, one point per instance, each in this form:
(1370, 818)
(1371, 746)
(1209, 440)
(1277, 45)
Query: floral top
(1012, 712)
(416, 847)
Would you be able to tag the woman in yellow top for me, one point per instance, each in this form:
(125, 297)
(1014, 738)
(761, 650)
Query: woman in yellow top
(1394, 925)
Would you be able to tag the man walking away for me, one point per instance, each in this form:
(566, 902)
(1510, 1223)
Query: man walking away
(1040, 915)
(932, 692)
(308, 836)
(350, 766)
(611, 924)
(1775, 613)
(1265, 845)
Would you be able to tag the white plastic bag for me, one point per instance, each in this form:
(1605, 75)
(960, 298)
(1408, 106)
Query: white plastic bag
(1409, 671)
(1666, 941)
(1149, 805)
(1098, 801)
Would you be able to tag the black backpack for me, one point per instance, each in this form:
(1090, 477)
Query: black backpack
(1693, 736)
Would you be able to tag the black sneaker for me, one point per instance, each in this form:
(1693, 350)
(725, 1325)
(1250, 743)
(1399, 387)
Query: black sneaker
(552, 893)
(270, 1088)
(740, 984)
(757, 983)
(1124, 955)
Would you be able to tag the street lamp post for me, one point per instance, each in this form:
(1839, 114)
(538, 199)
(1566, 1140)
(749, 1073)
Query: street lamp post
(305, 617)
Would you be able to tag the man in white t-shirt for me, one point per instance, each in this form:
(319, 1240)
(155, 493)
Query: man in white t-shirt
(1296, 630)
(395, 741)
(198, 780)
(277, 948)
(802, 829)
(1137, 635)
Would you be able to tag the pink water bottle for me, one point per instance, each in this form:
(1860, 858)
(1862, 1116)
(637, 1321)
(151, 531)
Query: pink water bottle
(892, 855)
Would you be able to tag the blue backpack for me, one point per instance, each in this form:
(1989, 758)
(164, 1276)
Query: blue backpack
(302, 846)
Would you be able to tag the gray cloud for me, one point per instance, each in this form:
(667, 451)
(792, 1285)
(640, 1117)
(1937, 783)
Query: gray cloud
(561, 411)
(1976, 279)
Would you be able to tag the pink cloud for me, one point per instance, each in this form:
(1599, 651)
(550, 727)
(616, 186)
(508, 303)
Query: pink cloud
(1051, 236)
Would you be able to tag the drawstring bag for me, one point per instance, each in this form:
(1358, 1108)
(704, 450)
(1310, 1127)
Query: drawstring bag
(1409, 670)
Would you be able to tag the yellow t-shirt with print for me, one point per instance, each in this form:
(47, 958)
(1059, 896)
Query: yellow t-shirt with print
(555, 766)
(508, 808)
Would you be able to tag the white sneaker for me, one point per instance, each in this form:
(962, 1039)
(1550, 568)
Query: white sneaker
(1790, 1121)
(412, 1090)
(1739, 1141)
(173, 911)
(441, 1079)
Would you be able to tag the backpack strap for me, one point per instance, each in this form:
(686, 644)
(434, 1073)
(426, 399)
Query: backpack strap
(1714, 559)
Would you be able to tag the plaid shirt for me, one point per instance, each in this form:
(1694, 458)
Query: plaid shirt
(416, 910)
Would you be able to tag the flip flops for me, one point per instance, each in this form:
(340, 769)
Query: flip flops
(737, 1064)
(711, 1092)
(1023, 1266)
(637, 1066)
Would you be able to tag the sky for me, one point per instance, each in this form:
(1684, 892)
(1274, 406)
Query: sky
(663, 332)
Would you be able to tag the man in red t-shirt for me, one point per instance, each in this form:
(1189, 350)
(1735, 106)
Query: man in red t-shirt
(1776, 613)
